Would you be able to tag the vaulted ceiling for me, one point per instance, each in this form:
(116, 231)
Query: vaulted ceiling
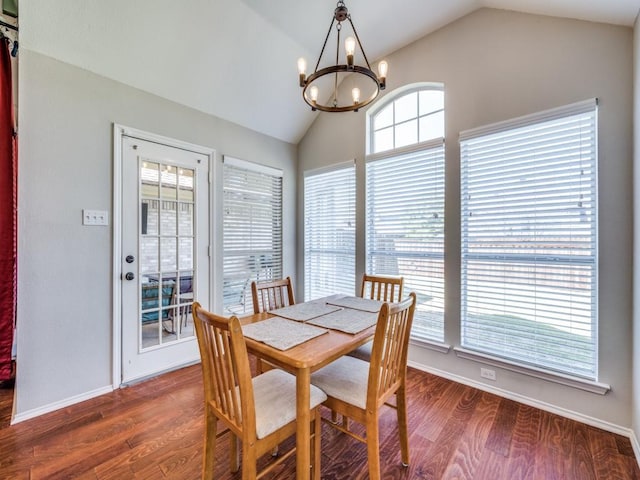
(237, 59)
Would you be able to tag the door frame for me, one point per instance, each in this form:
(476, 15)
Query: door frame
(120, 131)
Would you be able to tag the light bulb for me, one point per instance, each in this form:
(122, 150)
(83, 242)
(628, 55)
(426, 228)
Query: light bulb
(350, 47)
(355, 93)
(302, 66)
(314, 94)
(382, 69)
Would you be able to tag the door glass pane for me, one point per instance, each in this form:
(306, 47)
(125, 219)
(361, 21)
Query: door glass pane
(168, 188)
(186, 253)
(169, 218)
(148, 254)
(149, 179)
(168, 301)
(185, 219)
(168, 254)
(185, 182)
(149, 318)
(185, 299)
(148, 217)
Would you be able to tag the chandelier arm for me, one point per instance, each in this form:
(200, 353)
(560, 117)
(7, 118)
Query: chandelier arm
(358, 40)
(325, 44)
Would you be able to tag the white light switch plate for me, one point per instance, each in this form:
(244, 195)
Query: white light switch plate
(95, 217)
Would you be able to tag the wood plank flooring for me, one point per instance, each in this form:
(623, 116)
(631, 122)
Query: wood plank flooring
(154, 430)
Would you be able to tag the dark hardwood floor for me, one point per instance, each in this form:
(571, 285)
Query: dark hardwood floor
(153, 430)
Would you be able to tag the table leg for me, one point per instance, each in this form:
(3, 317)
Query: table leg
(303, 434)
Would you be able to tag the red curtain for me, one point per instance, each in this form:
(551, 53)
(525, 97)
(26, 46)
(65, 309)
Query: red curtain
(8, 214)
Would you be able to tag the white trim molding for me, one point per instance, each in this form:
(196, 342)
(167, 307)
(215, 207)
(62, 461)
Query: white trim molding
(431, 345)
(36, 412)
(635, 446)
(547, 407)
(575, 382)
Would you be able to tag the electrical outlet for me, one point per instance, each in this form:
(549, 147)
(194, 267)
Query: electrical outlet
(488, 373)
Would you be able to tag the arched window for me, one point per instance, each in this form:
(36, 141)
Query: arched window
(405, 199)
(411, 116)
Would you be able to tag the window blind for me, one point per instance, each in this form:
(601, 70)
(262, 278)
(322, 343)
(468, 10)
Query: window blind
(329, 232)
(405, 229)
(529, 240)
(252, 230)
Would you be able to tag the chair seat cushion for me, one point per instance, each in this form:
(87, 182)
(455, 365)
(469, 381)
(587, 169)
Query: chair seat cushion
(275, 400)
(345, 379)
(363, 352)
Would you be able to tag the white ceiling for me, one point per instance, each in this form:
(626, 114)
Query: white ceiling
(236, 59)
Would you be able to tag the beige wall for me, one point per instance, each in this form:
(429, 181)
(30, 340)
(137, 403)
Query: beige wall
(497, 65)
(65, 277)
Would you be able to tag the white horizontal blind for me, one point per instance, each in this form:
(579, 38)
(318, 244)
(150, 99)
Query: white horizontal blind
(529, 241)
(252, 231)
(329, 232)
(405, 229)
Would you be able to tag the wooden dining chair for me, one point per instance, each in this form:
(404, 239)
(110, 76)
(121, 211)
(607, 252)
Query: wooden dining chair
(259, 411)
(385, 288)
(268, 296)
(358, 389)
(378, 287)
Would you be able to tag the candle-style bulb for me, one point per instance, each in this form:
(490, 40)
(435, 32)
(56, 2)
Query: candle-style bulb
(350, 48)
(355, 93)
(313, 92)
(383, 67)
(350, 45)
(302, 67)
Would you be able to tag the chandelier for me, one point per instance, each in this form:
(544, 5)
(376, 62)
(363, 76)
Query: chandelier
(365, 84)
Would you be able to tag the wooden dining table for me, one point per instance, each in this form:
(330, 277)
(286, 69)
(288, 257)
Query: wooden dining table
(302, 360)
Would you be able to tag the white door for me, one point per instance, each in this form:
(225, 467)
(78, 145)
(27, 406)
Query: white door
(165, 259)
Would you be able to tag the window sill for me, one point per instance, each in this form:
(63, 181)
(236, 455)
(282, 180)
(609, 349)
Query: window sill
(430, 344)
(575, 382)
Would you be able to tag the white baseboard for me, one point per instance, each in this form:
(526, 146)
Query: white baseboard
(635, 446)
(579, 417)
(21, 417)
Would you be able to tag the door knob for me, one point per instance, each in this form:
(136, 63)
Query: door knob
(129, 259)
(129, 276)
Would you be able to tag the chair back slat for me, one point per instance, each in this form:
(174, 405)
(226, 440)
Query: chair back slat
(390, 347)
(225, 369)
(268, 296)
(382, 287)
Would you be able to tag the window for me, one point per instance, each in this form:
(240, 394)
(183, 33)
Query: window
(252, 230)
(405, 202)
(529, 240)
(414, 117)
(329, 231)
